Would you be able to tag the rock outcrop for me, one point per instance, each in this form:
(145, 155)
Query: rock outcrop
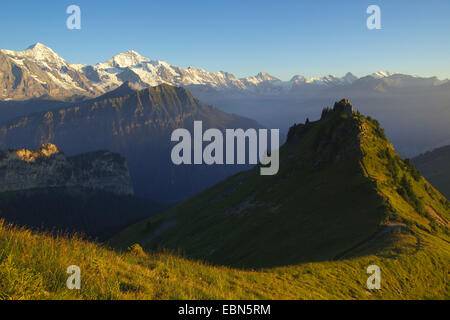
(48, 167)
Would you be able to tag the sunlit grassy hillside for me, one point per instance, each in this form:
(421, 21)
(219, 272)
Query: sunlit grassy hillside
(339, 188)
(33, 266)
(342, 201)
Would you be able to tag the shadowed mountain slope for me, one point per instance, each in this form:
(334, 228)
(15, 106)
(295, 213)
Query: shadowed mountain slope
(137, 124)
(435, 166)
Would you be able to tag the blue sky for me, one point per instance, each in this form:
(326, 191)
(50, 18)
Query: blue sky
(284, 38)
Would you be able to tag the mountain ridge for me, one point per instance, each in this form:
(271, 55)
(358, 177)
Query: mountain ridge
(340, 190)
(137, 124)
(39, 72)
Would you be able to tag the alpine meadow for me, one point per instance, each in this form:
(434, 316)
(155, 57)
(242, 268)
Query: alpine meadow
(225, 159)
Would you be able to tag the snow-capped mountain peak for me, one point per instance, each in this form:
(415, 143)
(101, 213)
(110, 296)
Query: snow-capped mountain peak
(53, 76)
(349, 77)
(298, 79)
(383, 74)
(264, 76)
(44, 72)
(39, 47)
(39, 53)
(125, 59)
(135, 68)
(259, 78)
(327, 80)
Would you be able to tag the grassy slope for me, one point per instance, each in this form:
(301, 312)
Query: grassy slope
(32, 266)
(414, 260)
(302, 214)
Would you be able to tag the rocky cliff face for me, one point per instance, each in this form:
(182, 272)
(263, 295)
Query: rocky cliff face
(48, 167)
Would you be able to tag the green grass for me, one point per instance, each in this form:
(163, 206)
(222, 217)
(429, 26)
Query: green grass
(335, 190)
(343, 200)
(33, 266)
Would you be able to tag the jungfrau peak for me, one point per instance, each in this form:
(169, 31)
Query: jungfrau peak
(127, 59)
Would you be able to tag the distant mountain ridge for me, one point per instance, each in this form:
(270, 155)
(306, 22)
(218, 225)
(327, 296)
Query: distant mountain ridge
(435, 166)
(40, 72)
(137, 124)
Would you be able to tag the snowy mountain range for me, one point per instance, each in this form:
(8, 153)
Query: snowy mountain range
(39, 72)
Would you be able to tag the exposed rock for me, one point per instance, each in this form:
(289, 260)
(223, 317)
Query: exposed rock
(344, 106)
(48, 167)
(339, 140)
